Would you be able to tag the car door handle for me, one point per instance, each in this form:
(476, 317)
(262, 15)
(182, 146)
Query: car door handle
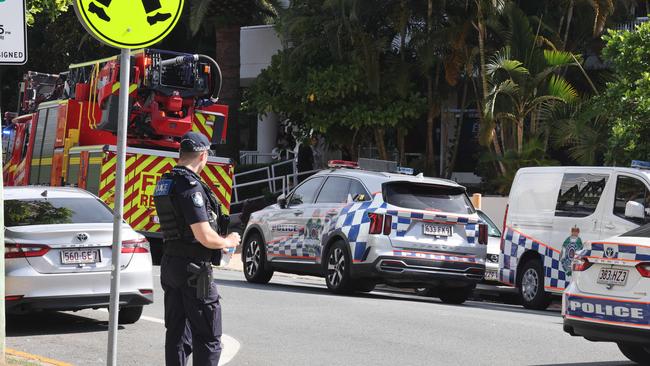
(610, 226)
(298, 213)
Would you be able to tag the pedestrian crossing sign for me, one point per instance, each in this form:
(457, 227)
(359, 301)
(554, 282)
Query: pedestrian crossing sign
(127, 23)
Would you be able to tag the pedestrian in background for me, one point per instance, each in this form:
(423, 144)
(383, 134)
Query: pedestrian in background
(188, 213)
(305, 158)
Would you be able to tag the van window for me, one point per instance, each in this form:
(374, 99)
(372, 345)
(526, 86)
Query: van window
(579, 194)
(427, 197)
(631, 189)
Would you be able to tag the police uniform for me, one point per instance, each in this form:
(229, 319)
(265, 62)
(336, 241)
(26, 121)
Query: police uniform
(193, 324)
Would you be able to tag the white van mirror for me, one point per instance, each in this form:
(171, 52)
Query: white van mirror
(634, 210)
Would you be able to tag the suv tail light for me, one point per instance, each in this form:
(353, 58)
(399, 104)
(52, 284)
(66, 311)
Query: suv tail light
(25, 250)
(482, 234)
(644, 269)
(388, 221)
(135, 246)
(376, 223)
(581, 264)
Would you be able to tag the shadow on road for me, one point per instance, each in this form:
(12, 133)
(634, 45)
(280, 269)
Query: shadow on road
(610, 363)
(47, 323)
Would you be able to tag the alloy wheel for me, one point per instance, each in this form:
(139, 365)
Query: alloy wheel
(252, 258)
(335, 267)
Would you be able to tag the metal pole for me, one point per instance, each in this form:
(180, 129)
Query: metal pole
(2, 241)
(125, 69)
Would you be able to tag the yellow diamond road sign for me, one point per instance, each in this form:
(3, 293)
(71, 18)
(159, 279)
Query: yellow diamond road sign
(129, 23)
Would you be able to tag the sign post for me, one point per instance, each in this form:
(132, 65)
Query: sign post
(126, 25)
(13, 51)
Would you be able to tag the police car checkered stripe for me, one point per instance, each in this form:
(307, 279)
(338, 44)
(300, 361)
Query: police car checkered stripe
(402, 221)
(515, 244)
(290, 246)
(622, 251)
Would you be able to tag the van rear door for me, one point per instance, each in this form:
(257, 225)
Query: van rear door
(578, 213)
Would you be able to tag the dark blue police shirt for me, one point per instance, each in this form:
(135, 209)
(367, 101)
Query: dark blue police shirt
(191, 199)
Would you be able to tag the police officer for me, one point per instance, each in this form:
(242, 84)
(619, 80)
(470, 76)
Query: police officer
(187, 210)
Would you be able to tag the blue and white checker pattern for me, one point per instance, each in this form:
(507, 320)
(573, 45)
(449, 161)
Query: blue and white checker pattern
(402, 221)
(622, 251)
(515, 244)
(353, 221)
(291, 246)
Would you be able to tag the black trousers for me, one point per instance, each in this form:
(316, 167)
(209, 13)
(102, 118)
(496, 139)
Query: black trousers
(193, 325)
(149, 5)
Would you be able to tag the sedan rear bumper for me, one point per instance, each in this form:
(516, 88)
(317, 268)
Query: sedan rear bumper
(61, 303)
(606, 333)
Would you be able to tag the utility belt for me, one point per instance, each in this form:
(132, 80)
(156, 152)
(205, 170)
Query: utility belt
(183, 249)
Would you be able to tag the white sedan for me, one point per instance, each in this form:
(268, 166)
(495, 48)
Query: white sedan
(58, 254)
(608, 299)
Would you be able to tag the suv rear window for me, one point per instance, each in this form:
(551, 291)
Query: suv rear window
(427, 197)
(56, 211)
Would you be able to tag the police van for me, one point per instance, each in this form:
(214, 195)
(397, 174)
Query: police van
(608, 299)
(553, 211)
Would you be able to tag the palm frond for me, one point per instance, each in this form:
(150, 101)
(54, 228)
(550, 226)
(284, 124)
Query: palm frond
(558, 58)
(560, 88)
(198, 11)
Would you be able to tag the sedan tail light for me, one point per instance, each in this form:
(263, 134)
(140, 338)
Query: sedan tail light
(644, 269)
(135, 246)
(581, 264)
(25, 250)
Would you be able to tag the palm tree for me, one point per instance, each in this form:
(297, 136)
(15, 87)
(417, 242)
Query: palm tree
(225, 18)
(518, 96)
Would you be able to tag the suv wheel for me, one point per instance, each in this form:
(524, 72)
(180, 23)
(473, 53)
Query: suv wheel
(364, 285)
(636, 352)
(129, 315)
(455, 295)
(531, 286)
(255, 260)
(337, 275)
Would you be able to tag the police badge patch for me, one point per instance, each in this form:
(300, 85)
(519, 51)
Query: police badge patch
(197, 198)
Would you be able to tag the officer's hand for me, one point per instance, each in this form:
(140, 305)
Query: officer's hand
(233, 240)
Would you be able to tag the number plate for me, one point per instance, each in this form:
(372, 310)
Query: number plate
(610, 276)
(80, 256)
(437, 230)
(491, 276)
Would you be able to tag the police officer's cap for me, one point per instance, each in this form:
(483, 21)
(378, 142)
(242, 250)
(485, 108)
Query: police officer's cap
(194, 142)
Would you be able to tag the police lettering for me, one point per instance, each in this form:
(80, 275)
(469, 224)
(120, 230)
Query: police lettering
(608, 310)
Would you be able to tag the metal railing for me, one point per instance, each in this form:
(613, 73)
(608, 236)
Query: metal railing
(252, 157)
(631, 25)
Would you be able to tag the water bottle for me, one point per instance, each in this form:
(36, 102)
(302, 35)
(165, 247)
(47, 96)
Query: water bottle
(225, 257)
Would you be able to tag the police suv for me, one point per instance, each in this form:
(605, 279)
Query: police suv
(608, 298)
(358, 227)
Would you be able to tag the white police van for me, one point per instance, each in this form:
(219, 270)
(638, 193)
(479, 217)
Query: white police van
(357, 228)
(608, 298)
(553, 211)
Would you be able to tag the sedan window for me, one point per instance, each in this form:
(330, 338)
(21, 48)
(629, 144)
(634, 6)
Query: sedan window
(56, 211)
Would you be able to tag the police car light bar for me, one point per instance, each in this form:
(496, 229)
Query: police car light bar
(342, 164)
(640, 164)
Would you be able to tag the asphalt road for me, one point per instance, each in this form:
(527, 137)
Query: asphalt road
(296, 321)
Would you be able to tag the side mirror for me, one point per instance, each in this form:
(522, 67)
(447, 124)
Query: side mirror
(634, 210)
(282, 201)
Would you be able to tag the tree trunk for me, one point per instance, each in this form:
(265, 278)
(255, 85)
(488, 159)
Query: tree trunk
(227, 52)
(381, 145)
(459, 128)
(520, 136)
(568, 23)
(481, 50)
(401, 145)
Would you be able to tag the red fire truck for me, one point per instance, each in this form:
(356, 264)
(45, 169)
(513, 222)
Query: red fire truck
(65, 133)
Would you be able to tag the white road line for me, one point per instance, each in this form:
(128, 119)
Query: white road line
(229, 344)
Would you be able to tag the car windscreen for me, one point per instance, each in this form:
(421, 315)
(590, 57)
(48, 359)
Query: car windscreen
(47, 211)
(639, 232)
(427, 197)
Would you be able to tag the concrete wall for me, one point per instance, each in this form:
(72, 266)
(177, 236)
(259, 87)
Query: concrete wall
(495, 208)
(258, 44)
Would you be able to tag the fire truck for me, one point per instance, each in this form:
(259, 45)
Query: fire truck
(64, 133)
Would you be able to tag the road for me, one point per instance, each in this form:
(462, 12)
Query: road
(296, 321)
